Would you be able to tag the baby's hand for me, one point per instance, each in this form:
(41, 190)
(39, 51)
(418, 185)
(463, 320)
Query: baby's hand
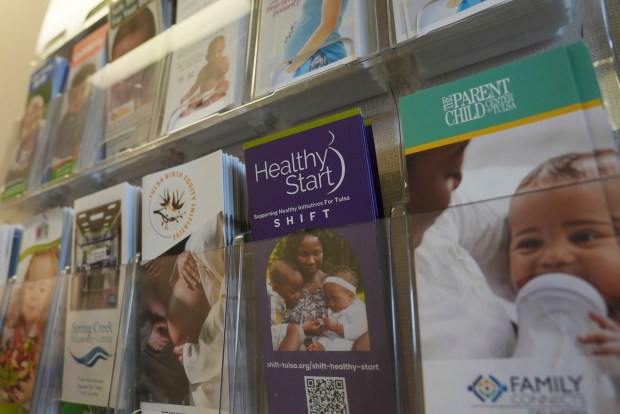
(330, 324)
(313, 328)
(315, 346)
(607, 340)
(178, 351)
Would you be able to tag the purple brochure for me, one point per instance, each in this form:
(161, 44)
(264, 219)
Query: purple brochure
(320, 287)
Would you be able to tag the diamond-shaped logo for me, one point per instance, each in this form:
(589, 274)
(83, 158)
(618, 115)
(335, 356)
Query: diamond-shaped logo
(487, 388)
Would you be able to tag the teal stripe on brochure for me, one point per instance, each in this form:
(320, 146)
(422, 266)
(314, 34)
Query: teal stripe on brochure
(304, 127)
(583, 69)
(538, 84)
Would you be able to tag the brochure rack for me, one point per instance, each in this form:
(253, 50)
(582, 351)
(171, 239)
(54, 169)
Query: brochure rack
(374, 82)
(244, 367)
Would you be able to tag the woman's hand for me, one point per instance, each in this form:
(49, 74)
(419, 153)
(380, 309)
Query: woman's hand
(188, 270)
(606, 340)
(160, 267)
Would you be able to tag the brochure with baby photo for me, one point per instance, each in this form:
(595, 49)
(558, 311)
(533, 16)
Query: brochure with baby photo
(451, 34)
(132, 78)
(44, 252)
(46, 83)
(80, 106)
(298, 39)
(209, 49)
(513, 180)
(106, 225)
(189, 215)
(417, 17)
(320, 287)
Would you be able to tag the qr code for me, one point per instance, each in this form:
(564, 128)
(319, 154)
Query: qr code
(327, 395)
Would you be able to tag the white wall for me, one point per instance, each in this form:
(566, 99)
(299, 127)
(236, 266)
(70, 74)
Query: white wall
(21, 22)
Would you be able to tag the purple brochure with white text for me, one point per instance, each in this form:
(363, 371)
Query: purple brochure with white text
(320, 286)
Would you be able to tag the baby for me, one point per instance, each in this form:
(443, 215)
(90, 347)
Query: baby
(346, 320)
(286, 283)
(568, 221)
(212, 77)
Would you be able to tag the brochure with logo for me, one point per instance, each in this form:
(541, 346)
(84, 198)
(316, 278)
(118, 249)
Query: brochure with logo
(320, 287)
(513, 181)
(132, 78)
(208, 60)
(46, 83)
(299, 39)
(189, 214)
(328, 157)
(44, 252)
(106, 225)
(80, 106)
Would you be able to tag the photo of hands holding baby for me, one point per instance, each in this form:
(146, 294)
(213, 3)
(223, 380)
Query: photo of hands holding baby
(315, 293)
(526, 253)
(182, 322)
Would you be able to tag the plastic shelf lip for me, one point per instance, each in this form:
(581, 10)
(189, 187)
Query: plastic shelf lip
(227, 128)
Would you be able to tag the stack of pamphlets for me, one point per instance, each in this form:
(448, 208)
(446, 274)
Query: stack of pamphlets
(414, 18)
(209, 49)
(83, 107)
(513, 181)
(10, 242)
(320, 286)
(32, 304)
(190, 213)
(132, 79)
(464, 31)
(46, 83)
(106, 234)
(299, 39)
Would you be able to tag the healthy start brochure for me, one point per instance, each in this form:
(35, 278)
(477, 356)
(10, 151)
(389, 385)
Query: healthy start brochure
(320, 286)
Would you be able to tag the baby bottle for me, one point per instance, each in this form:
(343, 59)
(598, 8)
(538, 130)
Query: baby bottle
(552, 310)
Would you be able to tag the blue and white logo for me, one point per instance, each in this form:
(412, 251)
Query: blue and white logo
(487, 388)
(92, 357)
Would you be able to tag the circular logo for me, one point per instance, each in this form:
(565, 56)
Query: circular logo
(171, 205)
